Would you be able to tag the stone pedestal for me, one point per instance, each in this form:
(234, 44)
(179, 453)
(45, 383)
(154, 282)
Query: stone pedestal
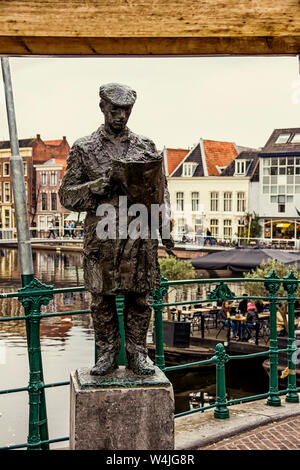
(121, 411)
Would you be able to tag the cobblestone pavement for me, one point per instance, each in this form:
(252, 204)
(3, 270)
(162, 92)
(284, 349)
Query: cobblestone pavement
(281, 435)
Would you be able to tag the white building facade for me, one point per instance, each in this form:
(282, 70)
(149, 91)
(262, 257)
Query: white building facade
(213, 202)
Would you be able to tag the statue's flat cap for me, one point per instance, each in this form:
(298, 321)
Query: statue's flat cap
(117, 94)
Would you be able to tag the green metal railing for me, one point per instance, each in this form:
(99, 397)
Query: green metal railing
(35, 294)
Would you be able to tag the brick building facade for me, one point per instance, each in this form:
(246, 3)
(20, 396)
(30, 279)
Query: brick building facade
(35, 153)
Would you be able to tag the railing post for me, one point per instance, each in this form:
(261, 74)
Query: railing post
(221, 410)
(158, 295)
(272, 288)
(120, 309)
(291, 287)
(38, 428)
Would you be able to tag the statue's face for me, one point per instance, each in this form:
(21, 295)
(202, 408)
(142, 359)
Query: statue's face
(115, 117)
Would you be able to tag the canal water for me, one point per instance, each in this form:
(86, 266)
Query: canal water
(68, 343)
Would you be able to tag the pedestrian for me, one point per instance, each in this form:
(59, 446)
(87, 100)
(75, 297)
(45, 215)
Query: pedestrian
(251, 322)
(67, 229)
(225, 318)
(207, 239)
(51, 230)
(72, 227)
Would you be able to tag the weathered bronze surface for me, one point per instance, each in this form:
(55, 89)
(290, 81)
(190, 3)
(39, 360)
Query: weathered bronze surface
(114, 162)
(121, 377)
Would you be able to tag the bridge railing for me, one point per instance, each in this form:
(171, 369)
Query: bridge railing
(36, 294)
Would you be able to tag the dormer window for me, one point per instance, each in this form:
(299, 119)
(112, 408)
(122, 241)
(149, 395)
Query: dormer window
(188, 168)
(241, 167)
(296, 139)
(282, 139)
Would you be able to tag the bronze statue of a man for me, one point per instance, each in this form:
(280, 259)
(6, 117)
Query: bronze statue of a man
(114, 162)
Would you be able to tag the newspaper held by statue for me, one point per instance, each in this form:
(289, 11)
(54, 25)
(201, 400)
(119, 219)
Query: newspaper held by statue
(141, 181)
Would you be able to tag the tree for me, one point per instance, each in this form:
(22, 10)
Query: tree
(252, 222)
(175, 270)
(258, 289)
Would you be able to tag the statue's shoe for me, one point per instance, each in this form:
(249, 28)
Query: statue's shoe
(139, 364)
(105, 364)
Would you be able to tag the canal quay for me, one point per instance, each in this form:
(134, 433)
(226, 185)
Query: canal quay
(67, 343)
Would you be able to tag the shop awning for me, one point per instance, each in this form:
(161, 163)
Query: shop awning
(243, 259)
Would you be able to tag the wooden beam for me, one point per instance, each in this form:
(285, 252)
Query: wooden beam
(149, 27)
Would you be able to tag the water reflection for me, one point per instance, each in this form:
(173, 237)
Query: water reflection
(51, 267)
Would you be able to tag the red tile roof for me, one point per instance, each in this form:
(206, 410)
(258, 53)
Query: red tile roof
(174, 157)
(218, 154)
(53, 142)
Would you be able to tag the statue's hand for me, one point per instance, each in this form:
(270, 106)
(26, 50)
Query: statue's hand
(100, 185)
(168, 242)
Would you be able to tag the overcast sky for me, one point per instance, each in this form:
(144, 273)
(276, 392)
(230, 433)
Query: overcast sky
(179, 100)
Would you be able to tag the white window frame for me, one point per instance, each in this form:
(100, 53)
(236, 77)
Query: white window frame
(214, 227)
(227, 228)
(227, 201)
(44, 178)
(180, 201)
(188, 169)
(241, 201)
(285, 140)
(195, 201)
(214, 201)
(53, 174)
(6, 165)
(6, 185)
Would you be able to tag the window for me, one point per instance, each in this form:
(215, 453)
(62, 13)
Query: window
(214, 201)
(296, 139)
(7, 218)
(41, 222)
(44, 201)
(195, 201)
(53, 202)
(180, 227)
(188, 168)
(25, 168)
(227, 228)
(281, 208)
(44, 179)
(179, 201)
(53, 178)
(5, 169)
(241, 167)
(227, 202)
(241, 202)
(26, 189)
(282, 139)
(6, 192)
(0, 192)
(214, 227)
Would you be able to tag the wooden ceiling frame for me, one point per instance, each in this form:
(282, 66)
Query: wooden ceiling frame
(149, 27)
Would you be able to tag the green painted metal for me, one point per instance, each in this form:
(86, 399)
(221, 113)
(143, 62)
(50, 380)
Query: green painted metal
(292, 396)
(221, 410)
(273, 287)
(38, 425)
(158, 295)
(120, 310)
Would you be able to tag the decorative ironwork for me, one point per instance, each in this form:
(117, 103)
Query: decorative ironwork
(161, 290)
(221, 293)
(29, 295)
(292, 285)
(273, 286)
